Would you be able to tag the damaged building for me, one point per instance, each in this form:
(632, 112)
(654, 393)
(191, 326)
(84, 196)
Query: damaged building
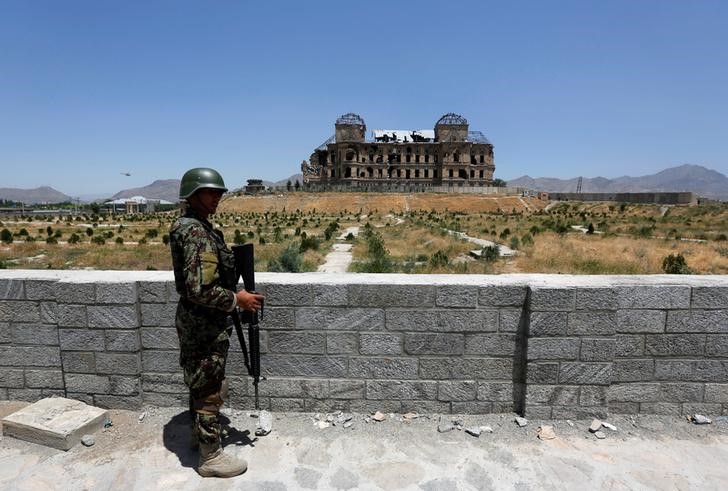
(450, 155)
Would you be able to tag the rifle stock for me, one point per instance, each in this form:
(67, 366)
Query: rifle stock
(245, 267)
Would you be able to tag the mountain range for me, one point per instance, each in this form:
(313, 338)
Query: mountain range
(700, 180)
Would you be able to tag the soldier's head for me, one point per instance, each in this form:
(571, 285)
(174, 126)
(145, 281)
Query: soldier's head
(201, 188)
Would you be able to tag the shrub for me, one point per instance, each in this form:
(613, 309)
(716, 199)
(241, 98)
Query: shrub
(74, 238)
(675, 264)
(119, 241)
(6, 236)
(151, 233)
(98, 240)
(527, 239)
(590, 229)
(51, 240)
(439, 259)
(165, 239)
(721, 237)
(307, 243)
(89, 231)
(289, 260)
(515, 243)
(490, 254)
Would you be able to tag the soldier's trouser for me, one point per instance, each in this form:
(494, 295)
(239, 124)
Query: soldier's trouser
(205, 378)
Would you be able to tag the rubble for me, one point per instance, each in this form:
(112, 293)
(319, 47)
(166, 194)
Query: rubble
(609, 426)
(546, 432)
(88, 440)
(595, 426)
(699, 419)
(521, 421)
(378, 416)
(474, 430)
(142, 416)
(265, 423)
(600, 435)
(443, 426)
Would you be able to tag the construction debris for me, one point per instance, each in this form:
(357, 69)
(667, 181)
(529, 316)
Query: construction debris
(546, 432)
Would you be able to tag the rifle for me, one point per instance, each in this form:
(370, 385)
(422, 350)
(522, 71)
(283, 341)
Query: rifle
(245, 267)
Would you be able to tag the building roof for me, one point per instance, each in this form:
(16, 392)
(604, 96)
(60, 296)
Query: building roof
(451, 118)
(473, 137)
(350, 118)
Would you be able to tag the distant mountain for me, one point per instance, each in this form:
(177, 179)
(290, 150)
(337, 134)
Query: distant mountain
(161, 189)
(43, 194)
(704, 182)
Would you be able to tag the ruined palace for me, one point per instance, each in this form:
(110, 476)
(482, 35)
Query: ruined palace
(450, 155)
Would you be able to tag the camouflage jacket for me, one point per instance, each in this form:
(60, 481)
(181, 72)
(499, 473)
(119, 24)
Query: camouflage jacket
(204, 268)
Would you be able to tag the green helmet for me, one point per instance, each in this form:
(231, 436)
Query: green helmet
(199, 178)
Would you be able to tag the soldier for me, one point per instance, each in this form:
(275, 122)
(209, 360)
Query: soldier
(204, 275)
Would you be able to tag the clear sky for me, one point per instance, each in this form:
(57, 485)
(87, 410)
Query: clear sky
(91, 89)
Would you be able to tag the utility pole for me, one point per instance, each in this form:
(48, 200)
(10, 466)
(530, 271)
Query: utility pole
(578, 186)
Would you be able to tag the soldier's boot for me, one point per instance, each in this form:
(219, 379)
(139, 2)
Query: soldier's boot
(214, 462)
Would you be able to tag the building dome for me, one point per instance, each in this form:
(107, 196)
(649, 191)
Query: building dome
(350, 118)
(451, 118)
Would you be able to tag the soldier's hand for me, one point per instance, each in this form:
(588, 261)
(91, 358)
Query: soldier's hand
(249, 301)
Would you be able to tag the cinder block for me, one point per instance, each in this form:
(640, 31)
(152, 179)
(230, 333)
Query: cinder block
(30, 356)
(596, 299)
(278, 318)
(111, 401)
(164, 361)
(339, 343)
(41, 289)
(347, 389)
(597, 349)
(691, 408)
(289, 295)
(48, 312)
(653, 297)
(716, 393)
(19, 311)
(124, 386)
(339, 319)
(87, 383)
(6, 335)
(544, 298)
(281, 387)
(593, 395)
(122, 340)
(379, 343)
(579, 412)
(297, 342)
(641, 321)
(592, 323)
(466, 320)
(495, 391)
(490, 344)
(675, 344)
(502, 296)
(401, 390)
(28, 395)
(634, 393)
(330, 295)
(70, 315)
(10, 378)
(116, 293)
(716, 345)
(118, 363)
(461, 390)
(81, 340)
(542, 373)
(434, 344)
(165, 400)
(548, 324)
(510, 320)
(164, 338)
(44, 379)
(458, 368)
(153, 292)
(677, 370)
(681, 392)
(76, 293)
(158, 314)
(476, 407)
(627, 346)
(624, 407)
(370, 406)
(173, 383)
(413, 320)
(383, 368)
(709, 297)
(663, 408)
(537, 412)
(697, 321)
(711, 370)
(585, 373)
(392, 295)
(113, 316)
(287, 405)
(34, 334)
(12, 290)
(311, 405)
(457, 296)
(634, 370)
(79, 362)
(553, 348)
(304, 366)
(552, 395)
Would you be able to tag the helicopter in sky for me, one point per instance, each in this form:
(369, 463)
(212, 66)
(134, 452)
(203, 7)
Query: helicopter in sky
(125, 173)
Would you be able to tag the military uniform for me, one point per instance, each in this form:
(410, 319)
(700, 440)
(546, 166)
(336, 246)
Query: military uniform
(204, 274)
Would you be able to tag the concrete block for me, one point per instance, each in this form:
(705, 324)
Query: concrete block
(653, 297)
(485, 369)
(624, 407)
(477, 407)
(697, 321)
(278, 318)
(34, 334)
(544, 298)
(585, 373)
(542, 373)
(116, 293)
(339, 319)
(113, 316)
(596, 299)
(490, 344)
(552, 395)
(716, 393)
(675, 344)
(37, 289)
(118, 363)
(580, 412)
(592, 323)
(69, 315)
(461, 390)
(628, 346)
(28, 395)
(12, 378)
(79, 362)
(642, 392)
(76, 293)
(165, 400)
(422, 296)
(548, 324)
(593, 395)
(164, 361)
(122, 340)
(466, 320)
(347, 389)
(153, 292)
(11, 289)
(19, 311)
(379, 343)
(690, 408)
(124, 386)
(173, 383)
(634, 370)
(85, 398)
(304, 366)
(716, 345)
(370, 406)
(708, 297)
(290, 388)
(54, 422)
(681, 392)
(81, 340)
(297, 342)
(597, 349)
(30, 356)
(330, 295)
(87, 383)
(288, 295)
(553, 348)
(662, 408)
(6, 334)
(510, 320)
(288, 405)
(130, 403)
(44, 379)
(159, 314)
(312, 405)
(457, 296)
(502, 296)
(677, 370)
(641, 321)
(401, 390)
(434, 344)
(537, 412)
(711, 370)
(339, 343)
(48, 312)
(164, 338)
(383, 368)
(495, 391)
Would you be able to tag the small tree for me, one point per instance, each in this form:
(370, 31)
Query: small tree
(289, 186)
(590, 229)
(675, 264)
(6, 236)
(297, 185)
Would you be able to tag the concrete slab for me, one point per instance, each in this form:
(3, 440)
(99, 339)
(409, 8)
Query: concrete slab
(54, 422)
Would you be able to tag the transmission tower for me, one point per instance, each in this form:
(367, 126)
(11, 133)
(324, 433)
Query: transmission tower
(578, 186)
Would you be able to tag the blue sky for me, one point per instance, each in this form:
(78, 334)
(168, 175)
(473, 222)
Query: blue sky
(595, 88)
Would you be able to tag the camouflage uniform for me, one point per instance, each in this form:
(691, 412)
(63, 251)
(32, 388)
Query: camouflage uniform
(204, 275)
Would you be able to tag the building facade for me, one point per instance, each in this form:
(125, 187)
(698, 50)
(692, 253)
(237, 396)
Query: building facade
(450, 155)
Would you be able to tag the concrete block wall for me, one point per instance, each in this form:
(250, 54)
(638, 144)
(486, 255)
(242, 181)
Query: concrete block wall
(547, 346)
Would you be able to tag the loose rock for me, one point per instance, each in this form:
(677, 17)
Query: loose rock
(486, 429)
(320, 424)
(570, 423)
(600, 435)
(348, 424)
(142, 416)
(473, 430)
(546, 432)
(444, 426)
(88, 440)
(409, 416)
(609, 426)
(265, 423)
(378, 416)
(521, 421)
(699, 419)
(595, 426)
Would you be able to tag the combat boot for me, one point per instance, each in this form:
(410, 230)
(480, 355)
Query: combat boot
(216, 463)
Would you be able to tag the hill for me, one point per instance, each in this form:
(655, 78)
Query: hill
(161, 189)
(43, 194)
(698, 179)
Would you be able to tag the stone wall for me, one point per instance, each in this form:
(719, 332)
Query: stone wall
(543, 345)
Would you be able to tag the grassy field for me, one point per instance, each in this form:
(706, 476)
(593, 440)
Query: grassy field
(400, 233)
